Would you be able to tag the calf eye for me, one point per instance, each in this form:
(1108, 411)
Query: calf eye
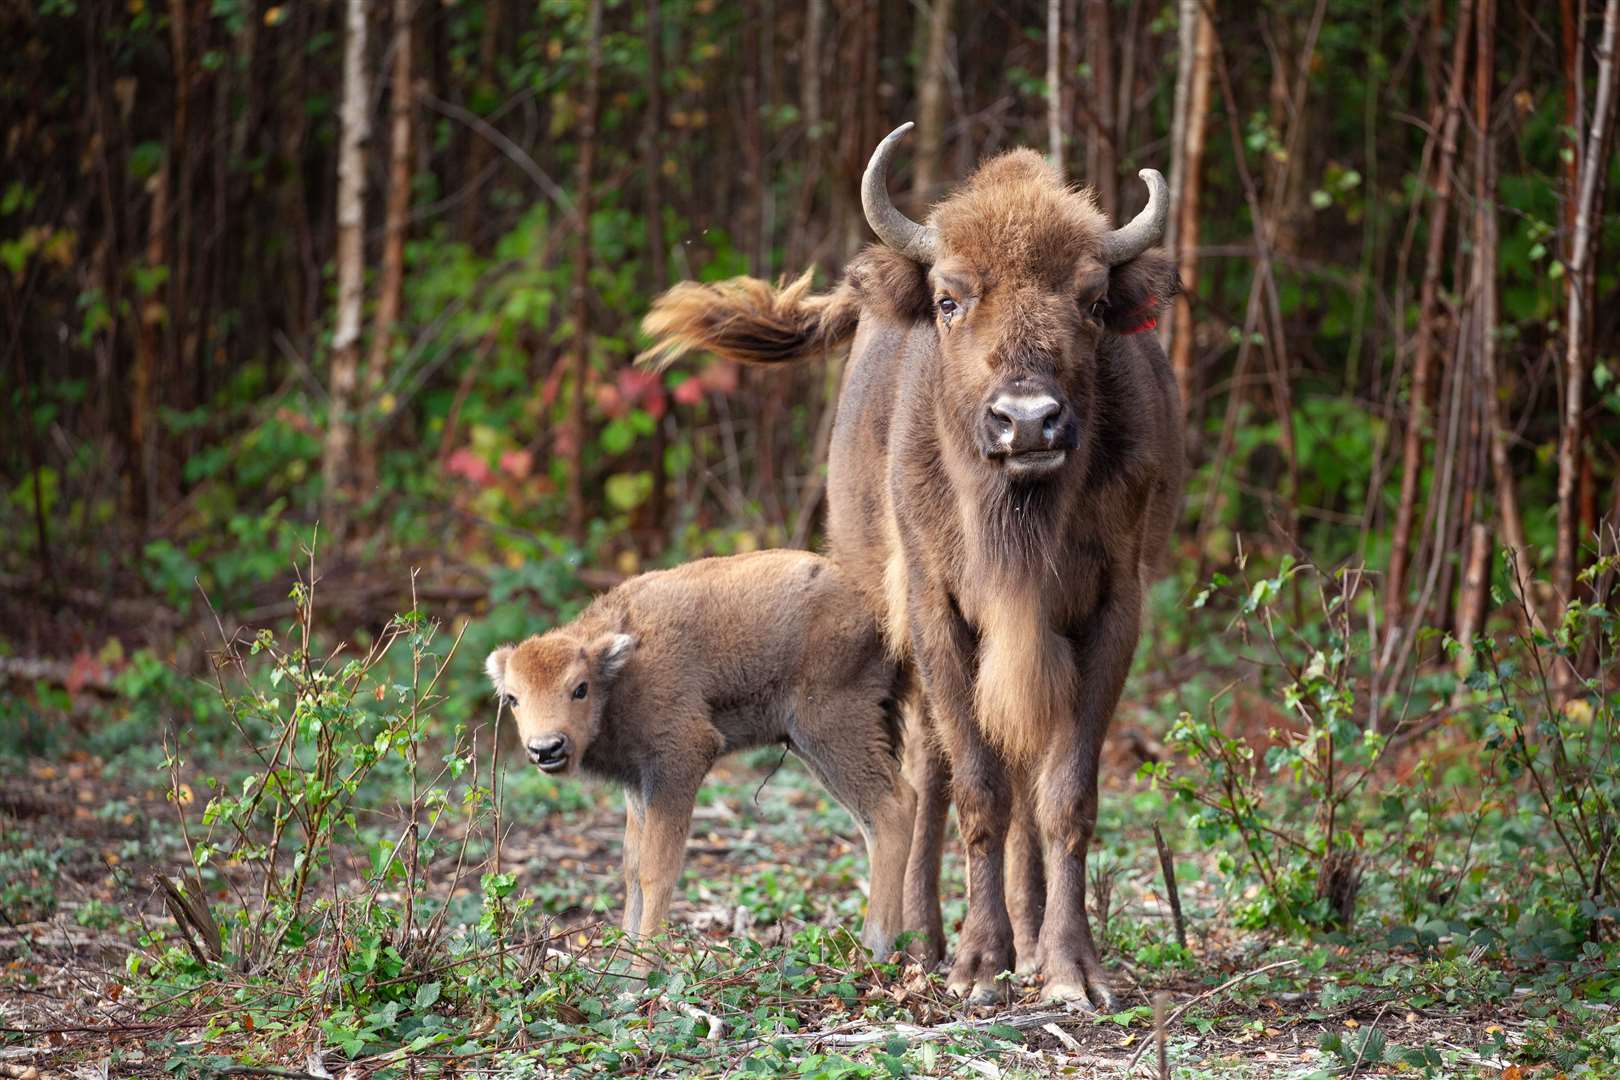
(509, 701)
(947, 306)
(581, 690)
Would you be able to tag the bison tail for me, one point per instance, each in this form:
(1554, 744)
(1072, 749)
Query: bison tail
(749, 321)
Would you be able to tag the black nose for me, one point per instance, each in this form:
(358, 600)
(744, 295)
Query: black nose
(1022, 422)
(549, 751)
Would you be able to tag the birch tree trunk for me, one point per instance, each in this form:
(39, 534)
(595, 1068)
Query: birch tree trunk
(391, 286)
(354, 129)
(582, 271)
(1593, 170)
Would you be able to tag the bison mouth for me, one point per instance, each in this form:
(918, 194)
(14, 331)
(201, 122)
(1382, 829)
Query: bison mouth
(550, 753)
(1033, 464)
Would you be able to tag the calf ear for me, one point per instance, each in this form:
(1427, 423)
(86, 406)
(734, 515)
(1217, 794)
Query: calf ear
(495, 668)
(1137, 290)
(609, 653)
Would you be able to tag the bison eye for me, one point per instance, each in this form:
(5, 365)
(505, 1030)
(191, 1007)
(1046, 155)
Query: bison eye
(581, 690)
(947, 306)
(509, 700)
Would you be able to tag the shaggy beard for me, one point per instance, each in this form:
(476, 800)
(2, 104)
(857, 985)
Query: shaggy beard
(1020, 530)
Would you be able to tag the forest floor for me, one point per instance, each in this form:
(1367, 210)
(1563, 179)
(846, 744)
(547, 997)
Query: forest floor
(769, 855)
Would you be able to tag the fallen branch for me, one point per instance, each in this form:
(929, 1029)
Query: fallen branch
(912, 1033)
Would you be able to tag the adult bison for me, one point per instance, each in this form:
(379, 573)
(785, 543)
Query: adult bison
(1005, 469)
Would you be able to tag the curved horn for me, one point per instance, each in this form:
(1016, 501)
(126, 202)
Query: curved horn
(1145, 229)
(892, 227)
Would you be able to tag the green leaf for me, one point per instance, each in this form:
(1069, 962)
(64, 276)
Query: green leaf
(426, 995)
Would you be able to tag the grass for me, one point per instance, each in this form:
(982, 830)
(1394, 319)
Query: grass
(425, 913)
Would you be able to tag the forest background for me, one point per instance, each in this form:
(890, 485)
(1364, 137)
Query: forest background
(348, 294)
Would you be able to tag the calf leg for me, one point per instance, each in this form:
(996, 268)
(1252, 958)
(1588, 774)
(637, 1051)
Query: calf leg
(634, 814)
(1026, 884)
(846, 745)
(930, 776)
(667, 820)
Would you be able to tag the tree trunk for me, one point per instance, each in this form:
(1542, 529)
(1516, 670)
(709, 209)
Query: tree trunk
(150, 312)
(657, 254)
(392, 284)
(181, 169)
(931, 103)
(1125, 95)
(1102, 157)
(1054, 83)
(1187, 161)
(577, 516)
(1485, 252)
(1594, 166)
(354, 129)
(1417, 419)
(478, 150)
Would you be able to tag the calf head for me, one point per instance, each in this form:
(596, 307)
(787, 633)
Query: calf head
(1024, 281)
(557, 686)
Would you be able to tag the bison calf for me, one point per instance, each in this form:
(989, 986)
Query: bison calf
(664, 674)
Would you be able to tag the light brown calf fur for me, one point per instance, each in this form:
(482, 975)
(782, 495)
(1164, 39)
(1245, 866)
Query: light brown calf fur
(1004, 472)
(671, 670)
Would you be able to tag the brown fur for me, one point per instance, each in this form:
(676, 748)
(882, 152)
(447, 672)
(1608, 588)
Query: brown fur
(682, 666)
(1017, 600)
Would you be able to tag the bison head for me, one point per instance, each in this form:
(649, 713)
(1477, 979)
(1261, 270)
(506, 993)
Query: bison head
(556, 687)
(1025, 281)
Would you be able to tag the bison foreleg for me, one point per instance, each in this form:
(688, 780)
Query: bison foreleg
(945, 647)
(1066, 804)
(1026, 884)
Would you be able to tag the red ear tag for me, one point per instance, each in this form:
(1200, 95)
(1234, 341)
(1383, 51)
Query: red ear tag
(1151, 320)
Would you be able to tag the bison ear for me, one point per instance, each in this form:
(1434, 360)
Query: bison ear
(609, 654)
(1137, 290)
(495, 668)
(886, 280)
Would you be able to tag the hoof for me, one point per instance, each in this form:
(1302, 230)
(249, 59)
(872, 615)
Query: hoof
(1076, 994)
(980, 993)
(1071, 996)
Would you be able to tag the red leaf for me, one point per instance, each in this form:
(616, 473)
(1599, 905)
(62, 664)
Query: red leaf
(465, 463)
(517, 463)
(689, 392)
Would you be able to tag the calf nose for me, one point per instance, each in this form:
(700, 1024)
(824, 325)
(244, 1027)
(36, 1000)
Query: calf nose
(548, 749)
(1023, 422)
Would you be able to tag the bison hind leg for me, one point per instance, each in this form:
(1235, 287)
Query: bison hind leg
(846, 740)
